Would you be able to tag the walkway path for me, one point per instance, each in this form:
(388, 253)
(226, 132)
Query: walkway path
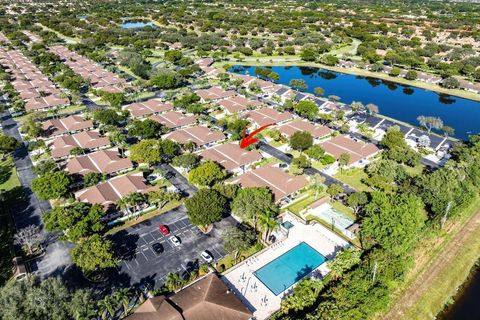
(424, 281)
(30, 211)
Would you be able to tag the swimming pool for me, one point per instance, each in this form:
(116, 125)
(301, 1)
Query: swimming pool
(289, 268)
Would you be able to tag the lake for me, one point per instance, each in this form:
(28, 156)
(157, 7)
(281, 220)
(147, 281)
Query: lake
(401, 102)
(136, 24)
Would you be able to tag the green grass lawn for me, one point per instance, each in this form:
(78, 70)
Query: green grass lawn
(229, 262)
(8, 174)
(353, 177)
(414, 171)
(266, 161)
(306, 199)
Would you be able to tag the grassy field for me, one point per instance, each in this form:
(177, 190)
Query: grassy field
(440, 270)
(306, 199)
(8, 182)
(353, 177)
(8, 174)
(296, 61)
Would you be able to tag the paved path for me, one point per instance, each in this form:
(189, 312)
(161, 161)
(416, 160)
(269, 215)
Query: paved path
(424, 281)
(30, 211)
(274, 152)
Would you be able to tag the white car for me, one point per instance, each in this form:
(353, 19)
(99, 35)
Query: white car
(175, 241)
(206, 256)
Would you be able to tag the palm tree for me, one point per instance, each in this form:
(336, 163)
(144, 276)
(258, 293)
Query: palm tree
(173, 281)
(123, 296)
(134, 199)
(316, 182)
(267, 222)
(123, 204)
(106, 307)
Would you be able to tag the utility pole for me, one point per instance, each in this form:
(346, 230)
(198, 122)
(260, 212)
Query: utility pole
(444, 218)
(375, 271)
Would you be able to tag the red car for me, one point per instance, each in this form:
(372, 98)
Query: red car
(164, 230)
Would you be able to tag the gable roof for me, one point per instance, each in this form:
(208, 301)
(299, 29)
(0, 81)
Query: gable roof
(231, 156)
(266, 116)
(200, 135)
(148, 107)
(65, 125)
(174, 119)
(317, 131)
(277, 180)
(62, 145)
(205, 299)
(104, 161)
(109, 192)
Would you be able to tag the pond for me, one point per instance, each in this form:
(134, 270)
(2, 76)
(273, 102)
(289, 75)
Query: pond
(401, 102)
(137, 24)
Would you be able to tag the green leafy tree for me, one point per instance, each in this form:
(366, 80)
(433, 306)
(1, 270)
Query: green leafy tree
(207, 173)
(298, 84)
(51, 185)
(308, 54)
(250, 202)
(50, 298)
(318, 91)
(77, 221)
(393, 222)
(236, 240)
(315, 152)
(344, 159)
(344, 261)
(334, 190)
(356, 200)
(146, 129)
(8, 144)
(307, 108)
(303, 295)
(205, 207)
(301, 140)
(91, 179)
(94, 254)
(268, 223)
(186, 160)
(107, 116)
(166, 79)
(146, 151)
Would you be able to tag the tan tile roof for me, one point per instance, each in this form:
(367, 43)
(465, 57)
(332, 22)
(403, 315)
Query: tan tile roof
(104, 161)
(238, 103)
(231, 156)
(357, 150)
(65, 125)
(281, 183)
(145, 108)
(62, 145)
(214, 93)
(109, 192)
(206, 299)
(317, 131)
(174, 119)
(268, 115)
(200, 135)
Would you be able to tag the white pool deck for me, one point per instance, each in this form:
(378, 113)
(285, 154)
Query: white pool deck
(253, 292)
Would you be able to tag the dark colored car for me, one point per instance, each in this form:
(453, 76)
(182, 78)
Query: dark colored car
(164, 230)
(157, 247)
(169, 175)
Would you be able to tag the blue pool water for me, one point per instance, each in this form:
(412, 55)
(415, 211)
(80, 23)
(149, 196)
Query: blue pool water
(289, 268)
(401, 102)
(137, 25)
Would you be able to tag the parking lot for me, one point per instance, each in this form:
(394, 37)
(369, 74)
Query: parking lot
(142, 264)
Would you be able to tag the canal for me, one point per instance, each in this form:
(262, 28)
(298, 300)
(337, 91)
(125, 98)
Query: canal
(401, 102)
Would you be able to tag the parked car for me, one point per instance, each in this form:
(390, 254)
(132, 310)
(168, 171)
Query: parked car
(175, 241)
(164, 230)
(169, 175)
(157, 247)
(206, 256)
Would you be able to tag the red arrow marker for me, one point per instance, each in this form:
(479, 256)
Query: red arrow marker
(248, 140)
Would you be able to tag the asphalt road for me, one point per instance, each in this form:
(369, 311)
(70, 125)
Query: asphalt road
(30, 211)
(142, 265)
(179, 181)
(274, 152)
